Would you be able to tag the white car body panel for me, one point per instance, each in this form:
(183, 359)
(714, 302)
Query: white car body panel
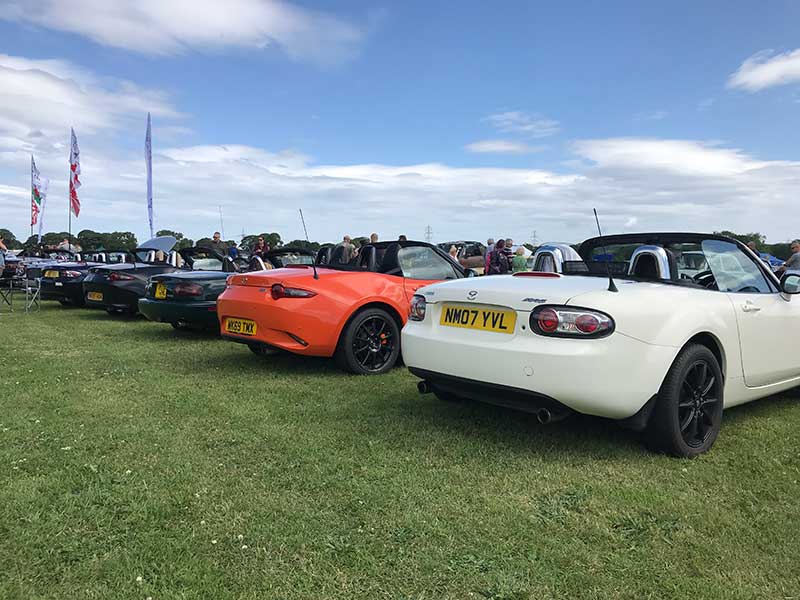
(616, 375)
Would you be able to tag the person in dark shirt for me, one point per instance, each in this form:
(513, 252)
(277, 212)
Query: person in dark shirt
(218, 245)
(498, 261)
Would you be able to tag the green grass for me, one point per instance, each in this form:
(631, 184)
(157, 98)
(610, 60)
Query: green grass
(130, 451)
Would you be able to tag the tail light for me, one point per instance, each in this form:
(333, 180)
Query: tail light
(279, 291)
(120, 277)
(570, 322)
(188, 289)
(72, 274)
(416, 311)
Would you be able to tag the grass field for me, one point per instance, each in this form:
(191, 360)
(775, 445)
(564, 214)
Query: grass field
(138, 462)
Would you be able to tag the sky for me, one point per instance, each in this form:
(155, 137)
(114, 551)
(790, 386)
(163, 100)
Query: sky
(475, 119)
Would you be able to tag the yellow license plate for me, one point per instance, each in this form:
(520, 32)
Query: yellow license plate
(96, 296)
(476, 317)
(161, 291)
(240, 326)
(51, 274)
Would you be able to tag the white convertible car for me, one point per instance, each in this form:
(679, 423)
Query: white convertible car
(618, 331)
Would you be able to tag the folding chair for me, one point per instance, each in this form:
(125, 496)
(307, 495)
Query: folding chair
(6, 293)
(33, 288)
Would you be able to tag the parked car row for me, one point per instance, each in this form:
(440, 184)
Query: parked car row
(656, 331)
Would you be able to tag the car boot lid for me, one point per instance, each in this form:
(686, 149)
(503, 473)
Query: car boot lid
(520, 292)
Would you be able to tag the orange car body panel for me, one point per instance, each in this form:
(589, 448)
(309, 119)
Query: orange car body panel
(309, 326)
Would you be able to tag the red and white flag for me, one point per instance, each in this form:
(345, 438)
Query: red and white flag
(38, 193)
(74, 175)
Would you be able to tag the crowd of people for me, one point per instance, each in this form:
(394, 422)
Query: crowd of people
(501, 258)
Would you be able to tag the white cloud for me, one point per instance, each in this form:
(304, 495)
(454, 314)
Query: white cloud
(41, 99)
(502, 147)
(763, 70)
(528, 124)
(681, 157)
(174, 26)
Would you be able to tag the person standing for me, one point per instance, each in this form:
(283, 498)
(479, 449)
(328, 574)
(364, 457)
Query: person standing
(261, 248)
(793, 264)
(3, 250)
(498, 262)
(489, 248)
(453, 253)
(348, 250)
(519, 262)
(218, 245)
(509, 250)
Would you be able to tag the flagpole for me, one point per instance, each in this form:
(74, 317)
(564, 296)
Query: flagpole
(32, 163)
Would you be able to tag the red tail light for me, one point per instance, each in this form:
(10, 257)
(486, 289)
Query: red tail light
(547, 320)
(570, 322)
(72, 273)
(188, 289)
(120, 277)
(279, 291)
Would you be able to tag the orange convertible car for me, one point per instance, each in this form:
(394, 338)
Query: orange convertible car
(353, 311)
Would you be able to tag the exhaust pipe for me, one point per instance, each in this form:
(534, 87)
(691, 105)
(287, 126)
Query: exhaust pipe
(423, 387)
(544, 416)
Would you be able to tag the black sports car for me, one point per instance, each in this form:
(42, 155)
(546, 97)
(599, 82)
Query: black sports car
(63, 281)
(117, 288)
(188, 299)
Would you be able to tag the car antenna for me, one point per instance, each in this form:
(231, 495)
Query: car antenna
(314, 262)
(611, 285)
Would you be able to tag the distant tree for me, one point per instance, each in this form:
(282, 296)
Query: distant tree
(121, 240)
(360, 241)
(10, 240)
(92, 240)
(305, 245)
(758, 238)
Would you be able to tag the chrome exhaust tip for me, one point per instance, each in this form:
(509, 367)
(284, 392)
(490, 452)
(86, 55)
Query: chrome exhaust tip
(423, 387)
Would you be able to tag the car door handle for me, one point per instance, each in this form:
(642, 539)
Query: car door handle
(748, 307)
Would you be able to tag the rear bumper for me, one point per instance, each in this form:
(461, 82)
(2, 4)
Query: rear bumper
(298, 325)
(611, 377)
(67, 291)
(501, 395)
(114, 297)
(163, 311)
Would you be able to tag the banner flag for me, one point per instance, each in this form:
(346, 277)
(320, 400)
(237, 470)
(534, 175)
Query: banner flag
(39, 187)
(74, 175)
(148, 162)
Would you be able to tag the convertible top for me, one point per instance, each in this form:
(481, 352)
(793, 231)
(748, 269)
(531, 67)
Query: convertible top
(655, 239)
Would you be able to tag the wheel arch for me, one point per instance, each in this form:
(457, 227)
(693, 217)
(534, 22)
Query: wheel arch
(386, 306)
(640, 420)
(710, 341)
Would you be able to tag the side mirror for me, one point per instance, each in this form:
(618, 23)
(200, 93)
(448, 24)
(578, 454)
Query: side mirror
(469, 273)
(790, 284)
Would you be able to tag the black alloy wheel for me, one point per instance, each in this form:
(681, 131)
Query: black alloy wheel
(370, 343)
(688, 413)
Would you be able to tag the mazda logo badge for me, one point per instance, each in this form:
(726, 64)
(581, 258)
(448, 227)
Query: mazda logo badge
(471, 294)
(244, 280)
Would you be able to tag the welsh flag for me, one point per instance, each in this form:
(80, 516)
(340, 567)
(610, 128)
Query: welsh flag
(38, 192)
(74, 173)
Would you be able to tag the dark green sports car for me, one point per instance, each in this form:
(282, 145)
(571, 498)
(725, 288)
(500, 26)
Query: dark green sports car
(188, 299)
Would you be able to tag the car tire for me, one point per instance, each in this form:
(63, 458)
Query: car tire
(687, 415)
(369, 344)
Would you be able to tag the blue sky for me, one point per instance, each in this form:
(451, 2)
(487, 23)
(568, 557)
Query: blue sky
(477, 119)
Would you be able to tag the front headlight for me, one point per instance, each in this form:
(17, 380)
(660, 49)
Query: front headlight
(417, 309)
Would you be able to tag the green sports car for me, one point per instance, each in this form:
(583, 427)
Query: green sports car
(187, 299)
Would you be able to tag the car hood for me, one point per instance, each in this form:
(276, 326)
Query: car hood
(520, 292)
